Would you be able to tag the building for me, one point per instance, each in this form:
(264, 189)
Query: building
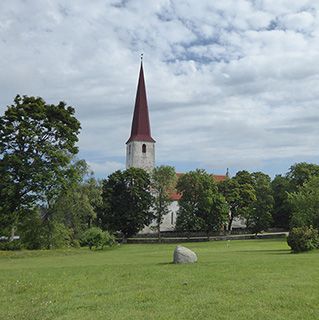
(140, 147)
(140, 150)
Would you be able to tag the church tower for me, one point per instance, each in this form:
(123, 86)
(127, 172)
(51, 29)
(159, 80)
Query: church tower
(140, 147)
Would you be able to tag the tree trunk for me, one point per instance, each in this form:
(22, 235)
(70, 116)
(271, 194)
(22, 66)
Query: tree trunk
(159, 232)
(13, 229)
(230, 223)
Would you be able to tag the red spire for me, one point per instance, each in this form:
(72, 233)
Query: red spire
(141, 130)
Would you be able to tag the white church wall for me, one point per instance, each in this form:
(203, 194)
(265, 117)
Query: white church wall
(239, 223)
(169, 221)
(135, 157)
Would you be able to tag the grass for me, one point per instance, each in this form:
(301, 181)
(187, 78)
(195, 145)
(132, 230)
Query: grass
(252, 279)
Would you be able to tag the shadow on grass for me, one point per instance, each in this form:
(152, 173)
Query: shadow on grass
(164, 263)
(268, 251)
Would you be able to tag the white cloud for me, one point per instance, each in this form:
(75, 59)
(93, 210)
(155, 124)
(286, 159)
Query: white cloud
(105, 168)
(230, 83)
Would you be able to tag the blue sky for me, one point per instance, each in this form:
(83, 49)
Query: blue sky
(231, 84)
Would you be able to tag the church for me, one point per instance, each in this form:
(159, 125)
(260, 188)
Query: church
(140, 151)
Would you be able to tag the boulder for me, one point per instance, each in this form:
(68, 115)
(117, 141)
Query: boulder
(184, 255)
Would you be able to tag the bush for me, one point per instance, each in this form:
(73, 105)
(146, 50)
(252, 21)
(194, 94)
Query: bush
(10, 245)
(303, 239)
(95, 237)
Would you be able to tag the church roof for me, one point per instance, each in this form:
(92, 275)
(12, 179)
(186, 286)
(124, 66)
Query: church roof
(141, 129)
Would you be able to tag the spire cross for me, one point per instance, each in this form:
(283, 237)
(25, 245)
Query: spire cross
(141, 57)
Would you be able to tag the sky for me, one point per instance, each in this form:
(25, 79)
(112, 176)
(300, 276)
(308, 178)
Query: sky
(230, 84)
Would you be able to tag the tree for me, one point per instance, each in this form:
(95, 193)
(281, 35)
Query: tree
(37, 143)
(295, 178)
(239, 193)
(200, 206)
(163, 184)
(214, 212)
(260, 216)
(305, 204)
(281, 211)
(127, 202)
(31, 230)
(77, 206)
(300, 173)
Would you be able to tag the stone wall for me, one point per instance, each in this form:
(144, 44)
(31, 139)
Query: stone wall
(135, 157)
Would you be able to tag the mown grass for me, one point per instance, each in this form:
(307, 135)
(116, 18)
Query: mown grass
(252, 279)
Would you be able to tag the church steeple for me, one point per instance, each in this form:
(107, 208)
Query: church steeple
(140, 150)
(141, 129)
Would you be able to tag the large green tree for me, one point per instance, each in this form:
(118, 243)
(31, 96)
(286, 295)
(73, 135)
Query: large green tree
(72, 212)
(281, 211)
(201, 207)
(240, 195)
(37, 143)
(299, 173)
(296, 177)
(259, 218)
(163, 184)
(127, 202)
(305, 204)
(77, 206)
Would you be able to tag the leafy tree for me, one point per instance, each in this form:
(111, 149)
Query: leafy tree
(260, 216)
(31, 230)
(239, 193)
(163, 184)
(62, 217)
(37, 143)
(300, 173)
(77, 206)
(200, 206)
(244, 177)
(295, 178)
(281, 211)
(305, 204)
(127, 202)
(214, 212)
(55, 232)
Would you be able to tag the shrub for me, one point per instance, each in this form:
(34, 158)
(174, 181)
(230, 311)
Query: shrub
(10, 245)
(95, 237)
(303, 239)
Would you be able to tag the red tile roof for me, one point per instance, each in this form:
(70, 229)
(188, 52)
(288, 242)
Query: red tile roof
(141, 130)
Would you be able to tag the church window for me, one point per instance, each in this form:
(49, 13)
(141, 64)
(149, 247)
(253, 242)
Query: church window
(144, 148)
(129, 149)
(172, 217)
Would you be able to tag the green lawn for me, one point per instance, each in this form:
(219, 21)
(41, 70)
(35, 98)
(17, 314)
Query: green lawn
(252, 279)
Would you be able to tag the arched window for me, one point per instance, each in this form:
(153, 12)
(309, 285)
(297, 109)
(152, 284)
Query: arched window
(129, 149)
(144, 148)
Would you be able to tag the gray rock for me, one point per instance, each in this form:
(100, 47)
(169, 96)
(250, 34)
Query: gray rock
(184, 255)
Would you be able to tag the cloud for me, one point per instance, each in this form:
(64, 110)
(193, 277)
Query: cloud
(230, 83)
(105, 168)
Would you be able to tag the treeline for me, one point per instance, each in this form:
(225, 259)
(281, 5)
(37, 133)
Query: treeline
(50, 199)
